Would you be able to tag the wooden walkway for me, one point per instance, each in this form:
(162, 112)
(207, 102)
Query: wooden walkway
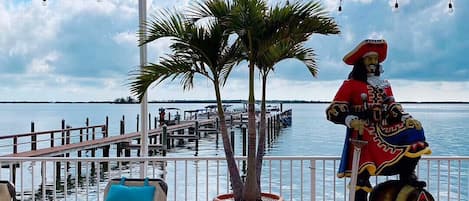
(107, 141)
(91, 138)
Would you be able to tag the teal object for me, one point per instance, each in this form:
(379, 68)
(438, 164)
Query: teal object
(121, 192)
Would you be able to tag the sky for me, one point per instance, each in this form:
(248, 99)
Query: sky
(83, 50)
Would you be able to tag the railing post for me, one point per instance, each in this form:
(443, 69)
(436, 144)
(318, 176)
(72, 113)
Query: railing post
(313, 180)
(44, 179)
(33, 138)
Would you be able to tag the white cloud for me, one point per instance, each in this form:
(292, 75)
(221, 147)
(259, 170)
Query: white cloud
(376, 35)
(35, 33)
(405, 90)
(43, 65)
(125, 38)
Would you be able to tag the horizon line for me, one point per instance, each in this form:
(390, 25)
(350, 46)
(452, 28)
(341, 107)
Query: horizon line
(225, 101)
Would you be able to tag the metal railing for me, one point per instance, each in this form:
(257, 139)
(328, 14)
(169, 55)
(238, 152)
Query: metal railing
(201, 178)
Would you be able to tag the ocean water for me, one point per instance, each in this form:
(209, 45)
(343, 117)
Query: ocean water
(446, 128)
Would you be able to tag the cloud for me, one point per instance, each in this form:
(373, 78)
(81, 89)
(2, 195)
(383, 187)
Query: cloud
(43, 65)
(70, 48)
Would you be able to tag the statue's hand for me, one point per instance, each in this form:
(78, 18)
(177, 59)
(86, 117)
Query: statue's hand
(413, 123)
(358, 125)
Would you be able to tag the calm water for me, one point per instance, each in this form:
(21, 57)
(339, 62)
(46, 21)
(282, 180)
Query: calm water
(446, 125)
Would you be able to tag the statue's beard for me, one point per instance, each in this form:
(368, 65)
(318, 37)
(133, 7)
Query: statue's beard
(374, 70)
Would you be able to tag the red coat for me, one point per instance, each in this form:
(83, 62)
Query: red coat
(389, 139)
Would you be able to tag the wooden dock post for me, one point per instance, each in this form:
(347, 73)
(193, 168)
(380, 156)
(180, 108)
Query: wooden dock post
(119, 144)
(33, 138)
(138, 120)
(87, 130)
(58, 178)
(79, 155)
(197, 133)
(243, 131)
(63, 132)
(149, 121)
(67, 141)
(269, 131)
(15, 145)
(13, 173)
(105, 149)
(232, 139)
(165, 140)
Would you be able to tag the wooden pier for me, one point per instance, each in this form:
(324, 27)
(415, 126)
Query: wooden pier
(68, 140)
(90, 139)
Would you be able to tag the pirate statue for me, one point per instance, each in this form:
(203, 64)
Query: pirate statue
(366, 106)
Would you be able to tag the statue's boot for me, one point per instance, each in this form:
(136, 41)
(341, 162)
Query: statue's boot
(411, 179)
(363, 187)
(361, 195)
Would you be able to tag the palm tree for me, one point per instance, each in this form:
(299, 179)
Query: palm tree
(292, 47)
(197, 50)
(265, 33)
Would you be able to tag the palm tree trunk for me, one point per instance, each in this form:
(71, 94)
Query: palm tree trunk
(261, 143)
(251, 190)
(235, 177)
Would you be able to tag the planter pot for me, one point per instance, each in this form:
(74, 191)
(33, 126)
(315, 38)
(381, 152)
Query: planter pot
(264, 197)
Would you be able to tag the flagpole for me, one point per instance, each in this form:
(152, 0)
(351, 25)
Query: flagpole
(142, 13)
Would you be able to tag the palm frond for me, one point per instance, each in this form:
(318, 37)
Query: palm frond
(165, 23)
(216, 9)
(168, 68)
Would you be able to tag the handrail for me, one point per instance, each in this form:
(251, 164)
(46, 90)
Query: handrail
(201, 178)
(48, 132)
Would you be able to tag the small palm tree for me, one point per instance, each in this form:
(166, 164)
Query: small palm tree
(291, 47)
(196, 50)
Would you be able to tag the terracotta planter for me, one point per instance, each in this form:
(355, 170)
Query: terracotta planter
(264, 196)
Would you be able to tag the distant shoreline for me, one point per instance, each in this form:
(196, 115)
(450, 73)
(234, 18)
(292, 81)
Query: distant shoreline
(213, 101)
